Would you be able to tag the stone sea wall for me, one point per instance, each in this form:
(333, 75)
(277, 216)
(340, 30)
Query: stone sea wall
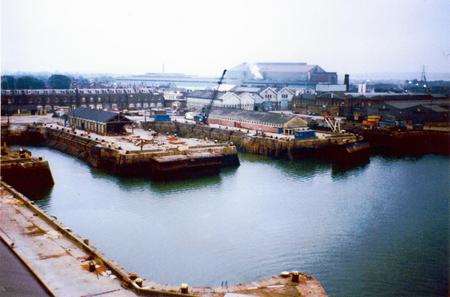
(266, 146)
(156, 165)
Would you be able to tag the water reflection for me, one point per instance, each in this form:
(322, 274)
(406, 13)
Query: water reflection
(301, 168)
(309, 167)
(341, 170)
(364, 228)
(37, 194)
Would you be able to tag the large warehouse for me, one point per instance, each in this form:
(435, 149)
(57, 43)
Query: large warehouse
(281, 73)
(255, 120)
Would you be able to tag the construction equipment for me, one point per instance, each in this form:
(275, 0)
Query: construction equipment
(333, 123)
(202, 118)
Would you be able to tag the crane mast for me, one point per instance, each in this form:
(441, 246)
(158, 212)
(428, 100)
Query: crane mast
(203, 116)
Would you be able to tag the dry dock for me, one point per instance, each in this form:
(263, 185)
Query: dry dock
(68, 265)
(143, 153)
(334, 147)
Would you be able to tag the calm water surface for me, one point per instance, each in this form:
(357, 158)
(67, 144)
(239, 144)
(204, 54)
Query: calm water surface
(380, 229)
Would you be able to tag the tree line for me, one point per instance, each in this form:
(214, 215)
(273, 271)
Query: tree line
(55, 81)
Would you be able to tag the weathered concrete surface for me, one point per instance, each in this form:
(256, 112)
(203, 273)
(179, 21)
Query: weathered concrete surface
(407, 142)
(161, 159)
(61, 260)
(334, 147)
(16, 280)
(29, 175)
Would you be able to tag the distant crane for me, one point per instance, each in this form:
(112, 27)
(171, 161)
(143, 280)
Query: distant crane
(424, 82)
(202, 118)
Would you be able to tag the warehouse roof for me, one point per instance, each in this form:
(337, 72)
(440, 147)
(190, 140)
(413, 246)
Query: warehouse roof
(203, 94)
(277, 67)
(255, 96)
(245, 115)
(95, 114)
(436, 105)
(240, 89)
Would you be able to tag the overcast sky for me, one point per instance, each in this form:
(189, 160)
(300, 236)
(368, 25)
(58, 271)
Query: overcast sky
(203, 37)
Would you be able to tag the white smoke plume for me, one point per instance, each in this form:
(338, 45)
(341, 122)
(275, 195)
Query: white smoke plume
(254, 69)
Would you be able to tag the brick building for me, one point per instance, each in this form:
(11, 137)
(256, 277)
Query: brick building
(98, 121)
(255, 120)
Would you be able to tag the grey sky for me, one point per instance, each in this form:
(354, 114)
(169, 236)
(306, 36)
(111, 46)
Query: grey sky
(204, 37)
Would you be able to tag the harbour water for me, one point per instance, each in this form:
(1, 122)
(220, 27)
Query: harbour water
(379, 229)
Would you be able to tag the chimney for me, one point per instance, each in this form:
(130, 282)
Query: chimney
(347, 82)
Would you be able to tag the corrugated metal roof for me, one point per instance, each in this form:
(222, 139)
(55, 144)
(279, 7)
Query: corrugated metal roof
(239, 89)
(436, 105)
(274, 71)
(428, 104)
(330, 88)
(255, 96)
(203, 94)
(245, 115)
(437, 108)
(285, 67)
(93, 114)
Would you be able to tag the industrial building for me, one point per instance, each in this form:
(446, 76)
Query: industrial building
(98, 121)
(318, 104)
(259, 121)
(200, 98)
(281, 73)
(415, 111)
(248, 98)
(174, 98)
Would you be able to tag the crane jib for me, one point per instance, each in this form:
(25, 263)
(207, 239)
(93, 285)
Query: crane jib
(203, 117)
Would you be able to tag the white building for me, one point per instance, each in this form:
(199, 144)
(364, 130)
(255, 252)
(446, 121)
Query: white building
(250, 101)
(269, 94)
(284, 97)
(231, 100)
(173, 95)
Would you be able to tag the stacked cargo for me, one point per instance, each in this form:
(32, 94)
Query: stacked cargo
(372, 121)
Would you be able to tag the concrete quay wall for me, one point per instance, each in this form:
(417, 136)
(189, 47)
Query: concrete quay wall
(78, 246)
(31, 176)
(61, 261)
(278, 148)
(408, 142)
(156, 164)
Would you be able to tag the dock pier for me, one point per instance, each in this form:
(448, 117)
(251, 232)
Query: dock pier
(336, 147)
(68, 265)
(30, 175)
(142, 153)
